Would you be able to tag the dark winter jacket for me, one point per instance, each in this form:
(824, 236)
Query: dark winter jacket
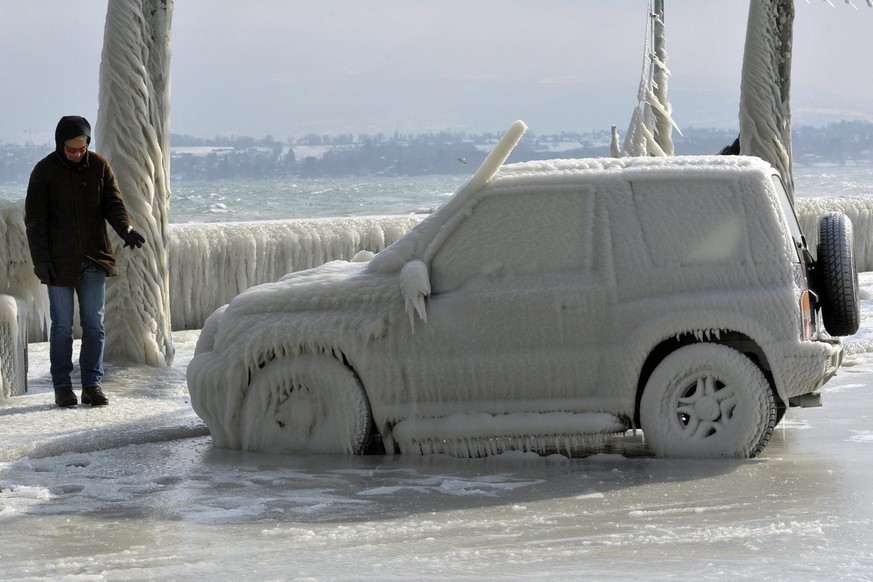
(67, 207)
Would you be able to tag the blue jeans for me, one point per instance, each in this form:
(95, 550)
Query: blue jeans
(91, 292)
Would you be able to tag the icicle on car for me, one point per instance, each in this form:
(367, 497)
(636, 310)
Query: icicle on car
(545, 305)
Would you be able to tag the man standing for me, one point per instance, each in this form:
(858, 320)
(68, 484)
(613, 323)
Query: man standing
(71, 196)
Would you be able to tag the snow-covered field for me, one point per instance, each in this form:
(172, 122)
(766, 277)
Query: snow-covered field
(136, 491)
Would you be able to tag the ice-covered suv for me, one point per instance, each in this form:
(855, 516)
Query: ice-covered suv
(544, 304)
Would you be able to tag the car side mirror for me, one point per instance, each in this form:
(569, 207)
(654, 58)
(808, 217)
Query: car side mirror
(415, 288)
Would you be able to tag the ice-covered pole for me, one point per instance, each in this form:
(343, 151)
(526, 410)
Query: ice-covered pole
(660, 76)
(133, 132)
(765, 88)
(650, 130)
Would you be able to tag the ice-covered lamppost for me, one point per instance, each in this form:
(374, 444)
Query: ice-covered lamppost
(651, 127)
(663, 131)
(765, 88)
(133, 132)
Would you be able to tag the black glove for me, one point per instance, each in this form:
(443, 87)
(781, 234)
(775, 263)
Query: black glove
(45, 272)
(132, 238)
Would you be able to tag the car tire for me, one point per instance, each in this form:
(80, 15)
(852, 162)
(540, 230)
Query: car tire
(707, 400)
(307, 403)
(837, 276)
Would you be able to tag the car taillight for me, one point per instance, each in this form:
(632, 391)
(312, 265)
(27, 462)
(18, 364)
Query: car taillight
(808, 300)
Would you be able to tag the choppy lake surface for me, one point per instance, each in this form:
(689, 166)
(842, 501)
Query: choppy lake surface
(274, 199)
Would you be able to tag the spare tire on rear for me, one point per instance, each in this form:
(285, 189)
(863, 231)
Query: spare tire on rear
(837, 278)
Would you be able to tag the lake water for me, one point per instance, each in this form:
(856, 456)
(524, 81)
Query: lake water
(273, 199)
(239, 201)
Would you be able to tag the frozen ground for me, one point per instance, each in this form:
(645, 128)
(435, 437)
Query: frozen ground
(135, 491)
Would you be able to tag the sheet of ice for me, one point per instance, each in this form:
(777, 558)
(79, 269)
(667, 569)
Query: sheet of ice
(147, 404)
(117, 494)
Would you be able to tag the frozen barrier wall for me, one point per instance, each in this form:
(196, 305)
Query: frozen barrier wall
(13, 347)
(859, 211)
(16, 269)
(211, 263)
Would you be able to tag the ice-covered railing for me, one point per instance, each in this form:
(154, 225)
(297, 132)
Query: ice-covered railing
(859, 211)
(212, 263)
(16, 269)
(209, 264)
(13, 347)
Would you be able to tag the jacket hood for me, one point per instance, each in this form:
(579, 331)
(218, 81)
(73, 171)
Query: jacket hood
(69, 127)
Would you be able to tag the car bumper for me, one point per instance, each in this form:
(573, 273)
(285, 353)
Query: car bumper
(807, 367)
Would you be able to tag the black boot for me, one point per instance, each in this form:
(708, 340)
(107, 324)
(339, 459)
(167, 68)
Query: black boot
(94, 396)
(65, 397)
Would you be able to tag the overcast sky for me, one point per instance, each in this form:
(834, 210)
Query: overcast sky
(290, 67)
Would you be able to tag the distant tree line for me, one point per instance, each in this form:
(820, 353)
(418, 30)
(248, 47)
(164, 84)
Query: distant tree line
(445, 152)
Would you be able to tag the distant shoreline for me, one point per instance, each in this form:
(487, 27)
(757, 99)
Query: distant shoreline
(845, 143)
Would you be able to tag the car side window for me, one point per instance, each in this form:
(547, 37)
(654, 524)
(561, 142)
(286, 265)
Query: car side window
(692, 222)
(519, 233)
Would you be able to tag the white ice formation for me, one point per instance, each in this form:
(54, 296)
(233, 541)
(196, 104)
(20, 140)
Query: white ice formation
(132, 131)
(650, 129)
(16, 269)
(765, 88)
(13, 346)
(210, 264)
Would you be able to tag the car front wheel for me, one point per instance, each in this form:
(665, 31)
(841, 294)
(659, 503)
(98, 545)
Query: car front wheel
(309, 403)
(707, 400)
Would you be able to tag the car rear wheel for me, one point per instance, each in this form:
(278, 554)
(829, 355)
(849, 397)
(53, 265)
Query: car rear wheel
(838, 278)
(305, 403)
(707, 400)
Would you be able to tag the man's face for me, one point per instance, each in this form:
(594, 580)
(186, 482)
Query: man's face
(74, 149)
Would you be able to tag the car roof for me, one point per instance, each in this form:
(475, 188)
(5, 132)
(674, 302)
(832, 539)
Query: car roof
(573, 170)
